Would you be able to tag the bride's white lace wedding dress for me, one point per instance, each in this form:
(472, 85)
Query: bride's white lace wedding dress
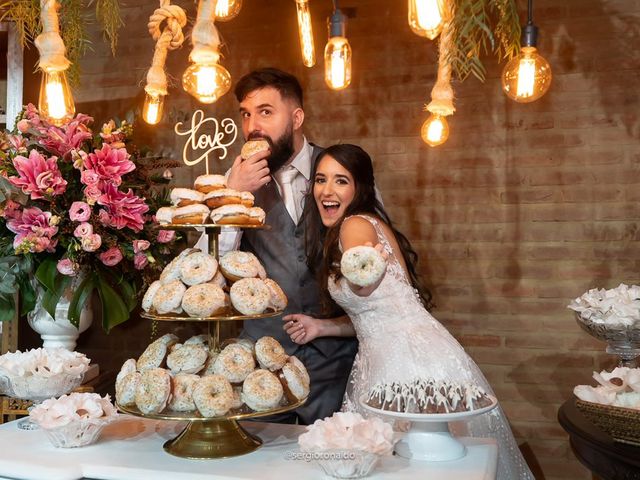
(400, 341)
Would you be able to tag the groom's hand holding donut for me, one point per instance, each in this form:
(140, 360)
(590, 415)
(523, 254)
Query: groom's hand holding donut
(250, 169)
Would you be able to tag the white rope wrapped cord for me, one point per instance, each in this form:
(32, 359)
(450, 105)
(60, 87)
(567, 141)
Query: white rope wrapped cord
(442, 92)
(205, 37)
(49, 43)
(170, 37)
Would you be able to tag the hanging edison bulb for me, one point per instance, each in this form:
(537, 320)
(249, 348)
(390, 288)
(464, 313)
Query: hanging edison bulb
(425, 17)
(56, 101)
(152, 108)
(337, 54)
(435, 130)
(305, 32)
(227, 9)
(527, 77)
(206, 81)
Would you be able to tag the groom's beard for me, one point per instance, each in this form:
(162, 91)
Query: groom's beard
(281, 149)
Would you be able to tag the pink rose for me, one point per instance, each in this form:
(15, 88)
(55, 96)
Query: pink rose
(38, 176)
(23, 125)
(111, 257)
(140, 261)
(67, 267)
(92, 192)
(89, 177)
(91, 243)
(166, 236)
(79, 212)
(83, 230)
(140, 245)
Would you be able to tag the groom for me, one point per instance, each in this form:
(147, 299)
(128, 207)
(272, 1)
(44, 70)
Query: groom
(271, 108)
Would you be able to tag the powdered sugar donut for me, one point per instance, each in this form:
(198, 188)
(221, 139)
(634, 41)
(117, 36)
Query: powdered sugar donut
(230, 214)
(169, 297)
(303, 370)
(247, 199)
(270, 354)
(294, 381)
(219, 280)
(208, 183)
(237, 397)
(235, 265)
(222, 196)
(211, 360)
(182, 392)
(234, 363)
(128, 367)
(171, 272)
(181, 197)
(198, 340)
(362, 265)
(250, 296)
(256, 216)
(147, 300)
(126, 389)
(277, 299)
(164, 215)
(262, 390)
(169, 339)
(187, 359)
(213, 396)
(153, 390)
(196, 213)
(152, 357)
(197, 268)
(204, 300)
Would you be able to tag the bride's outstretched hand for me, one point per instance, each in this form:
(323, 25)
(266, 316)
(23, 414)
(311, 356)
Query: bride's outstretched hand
(301, 328)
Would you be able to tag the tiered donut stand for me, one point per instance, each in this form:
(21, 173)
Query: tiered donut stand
(212, 437)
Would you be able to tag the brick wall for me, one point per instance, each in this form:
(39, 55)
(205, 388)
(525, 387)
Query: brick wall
(524, 208)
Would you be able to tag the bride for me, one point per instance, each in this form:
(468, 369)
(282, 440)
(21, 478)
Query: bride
(399, 340)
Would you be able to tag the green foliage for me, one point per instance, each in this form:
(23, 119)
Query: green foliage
(482, 27)
(26, 16)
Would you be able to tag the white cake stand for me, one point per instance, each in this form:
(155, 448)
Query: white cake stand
(429, 438)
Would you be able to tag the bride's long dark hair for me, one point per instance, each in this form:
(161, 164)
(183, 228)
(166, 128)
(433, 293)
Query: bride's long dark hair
(322, 243)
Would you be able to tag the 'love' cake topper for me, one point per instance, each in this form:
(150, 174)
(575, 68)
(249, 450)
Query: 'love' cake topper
(205, 136)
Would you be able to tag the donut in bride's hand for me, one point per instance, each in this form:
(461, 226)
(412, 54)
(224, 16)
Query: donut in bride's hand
(362, 265)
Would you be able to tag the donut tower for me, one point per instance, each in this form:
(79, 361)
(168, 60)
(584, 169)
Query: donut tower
(211, 384)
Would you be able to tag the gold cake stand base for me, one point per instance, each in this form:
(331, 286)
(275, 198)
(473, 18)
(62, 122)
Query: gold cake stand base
(212, 439)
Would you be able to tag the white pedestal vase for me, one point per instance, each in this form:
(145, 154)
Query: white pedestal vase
(60, 332)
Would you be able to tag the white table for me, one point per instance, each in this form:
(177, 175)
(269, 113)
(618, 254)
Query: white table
(131, 449)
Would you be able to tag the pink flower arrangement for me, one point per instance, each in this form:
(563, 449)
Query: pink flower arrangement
(79, 206)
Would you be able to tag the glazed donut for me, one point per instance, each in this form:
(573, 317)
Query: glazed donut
(152, 357)
(234, 363)
(197, 268)
(213, 395)
(237, 397)
(169, 339)
(206, 300)
(128, 367)
(164, 215)
(126, 389)
(247, 199)
(198, 340)
(235, 265)
(256, 216)
(252, 147)
(147, 300)
(181, 197)
(187, 359)
(262, 390)
(303, 370)
(171, 272)
(270, 354)
(250, 296)
(169, 297)
(208, 183)
(277, 299)
(182, 392)
(219, 280)
(196, 213)
(222, 196)
(230, 214)
(153, 391)
(211, 360)
(362, 266)
(293, 382)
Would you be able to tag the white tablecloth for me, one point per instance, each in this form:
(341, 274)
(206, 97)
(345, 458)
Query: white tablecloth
(131, 449)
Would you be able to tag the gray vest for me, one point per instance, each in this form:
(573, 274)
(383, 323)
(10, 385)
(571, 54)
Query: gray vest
(281, 250)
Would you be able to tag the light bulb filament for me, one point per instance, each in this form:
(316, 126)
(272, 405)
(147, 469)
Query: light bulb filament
(206, 81)
(428, 14)
(55, 98)
(526, 77)
(337, 69)
(305, 32)
(222, 8)
(434, 132)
